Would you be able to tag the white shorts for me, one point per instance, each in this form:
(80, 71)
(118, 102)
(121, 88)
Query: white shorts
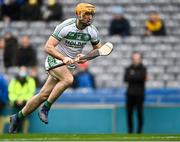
(51, 62)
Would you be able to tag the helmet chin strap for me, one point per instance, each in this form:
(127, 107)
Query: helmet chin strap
(80, 24)
(81, 16)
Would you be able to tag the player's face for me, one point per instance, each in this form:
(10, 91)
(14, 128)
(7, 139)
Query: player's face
(87, 19)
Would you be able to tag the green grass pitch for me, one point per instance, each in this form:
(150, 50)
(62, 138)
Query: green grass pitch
(88, 137)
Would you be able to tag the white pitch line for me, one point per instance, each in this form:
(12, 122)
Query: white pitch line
(124, 139)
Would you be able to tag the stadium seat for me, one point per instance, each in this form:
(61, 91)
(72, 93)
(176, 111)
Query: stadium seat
(161, 54)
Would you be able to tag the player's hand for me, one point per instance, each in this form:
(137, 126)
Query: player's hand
(78, 58)
(68, 61)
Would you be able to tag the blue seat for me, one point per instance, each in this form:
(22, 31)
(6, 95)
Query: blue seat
(117, 96)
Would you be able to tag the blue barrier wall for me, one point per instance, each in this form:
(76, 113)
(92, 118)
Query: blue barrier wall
(102, 111)
(75, 121)
(95, 120)
(104, 119)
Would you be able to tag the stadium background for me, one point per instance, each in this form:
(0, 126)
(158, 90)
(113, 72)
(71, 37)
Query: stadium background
(102, 110)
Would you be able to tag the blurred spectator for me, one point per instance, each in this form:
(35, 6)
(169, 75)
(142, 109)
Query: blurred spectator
(1, 2)
(11, 45)
(21, 2)
(21, 88)
(3, 92)
(31, 11)
(155, 25)
(2, 46)
(52, 11)
(7, 23)
(135, 77)
(119, 24)
(26, 55)
(11, 9)
(1, 17)
(83, 78)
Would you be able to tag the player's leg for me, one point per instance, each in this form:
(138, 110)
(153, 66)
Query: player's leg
(42, 96)
(32, 104)
(65, 78)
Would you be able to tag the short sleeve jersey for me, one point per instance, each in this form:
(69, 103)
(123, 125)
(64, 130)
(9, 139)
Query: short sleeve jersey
(72, 40)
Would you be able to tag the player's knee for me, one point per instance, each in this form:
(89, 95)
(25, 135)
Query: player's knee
(68, 81)
(43, 97)
(44, 94)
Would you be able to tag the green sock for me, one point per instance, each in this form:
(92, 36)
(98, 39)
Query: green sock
(20, 115)
(47, 104)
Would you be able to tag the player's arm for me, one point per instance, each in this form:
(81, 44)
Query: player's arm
(53, 41)
(50, 49)
(95, 47)
(95, 42)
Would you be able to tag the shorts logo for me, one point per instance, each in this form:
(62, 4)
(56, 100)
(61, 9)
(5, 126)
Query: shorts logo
(51, 61)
